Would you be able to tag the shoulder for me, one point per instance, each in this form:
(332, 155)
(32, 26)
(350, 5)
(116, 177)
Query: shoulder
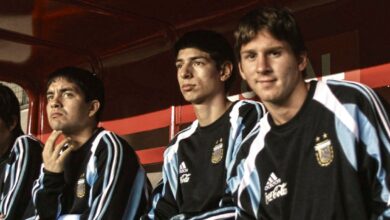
(247, 108)
(28, 141)
(108, 140)
(248, 104)
(187, 132)
(354, 97)
(346, 91)
(184, 133)
(107, 136)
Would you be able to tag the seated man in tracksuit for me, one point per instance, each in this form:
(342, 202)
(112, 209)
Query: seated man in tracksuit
(323, 150)
(92, 173)
(200, 160)
(20, 159)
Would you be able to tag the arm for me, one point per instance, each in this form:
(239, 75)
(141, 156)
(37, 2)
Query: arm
(244, 131)
(48, 187)
(244, 126)
(374, 132)
(47, 193)
(365, 139)
(164, 204)
(118, 184)
(20, 175)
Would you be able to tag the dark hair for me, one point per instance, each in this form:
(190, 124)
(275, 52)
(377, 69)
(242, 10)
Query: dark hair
(10, 110)
(278, 21)
(212, 43)
(89, 83)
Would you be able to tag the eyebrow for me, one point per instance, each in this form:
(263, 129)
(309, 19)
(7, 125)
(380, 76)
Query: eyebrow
(193, 58)
(50, 92)
(273, 48)
(248, 51)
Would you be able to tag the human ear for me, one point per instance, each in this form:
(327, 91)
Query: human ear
(94, 108)
(226, 71)
(302, 61)
(14, 123)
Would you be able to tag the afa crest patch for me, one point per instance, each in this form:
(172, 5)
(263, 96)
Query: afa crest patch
(324, 150)
(217, 154)
(80, 187)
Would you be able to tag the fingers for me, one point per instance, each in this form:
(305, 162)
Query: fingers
(54, 155)
(56, 164)
(60, 146)
(49, 145)
(66, 152)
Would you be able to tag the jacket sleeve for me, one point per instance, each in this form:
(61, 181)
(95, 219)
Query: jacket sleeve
(118, 183)
(47, 193)
(374, 150)
(243, 127)
(362, 126)
(22, 170)
(164, 203)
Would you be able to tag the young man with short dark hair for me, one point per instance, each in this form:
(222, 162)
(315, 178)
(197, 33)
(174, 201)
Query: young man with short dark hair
(92, 173)
(323, 150)
(199, 162)
(20, 159)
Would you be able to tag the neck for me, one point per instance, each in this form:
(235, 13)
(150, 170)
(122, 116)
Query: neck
(284, 111)
(207, 113)
(81, 137)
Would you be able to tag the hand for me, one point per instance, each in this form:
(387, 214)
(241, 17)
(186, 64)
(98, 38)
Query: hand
(2, 216)
(53, 158)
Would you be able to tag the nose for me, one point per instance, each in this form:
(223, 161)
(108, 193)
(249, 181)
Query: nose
(55, 102)
(185, 71)
(263, 65)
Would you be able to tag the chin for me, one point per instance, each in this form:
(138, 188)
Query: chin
(57, 127)
(190, 100)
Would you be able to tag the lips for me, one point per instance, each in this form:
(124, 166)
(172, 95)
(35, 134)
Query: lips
(187, 87)
(56, 114)
(266, 81)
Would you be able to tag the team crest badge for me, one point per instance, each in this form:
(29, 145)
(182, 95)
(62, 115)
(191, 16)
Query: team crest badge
(324, 150)
(217, 154)
(80, 188)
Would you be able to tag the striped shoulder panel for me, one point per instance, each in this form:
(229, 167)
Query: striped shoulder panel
(324, 95)
(242, 117)
(26, 141)
(15, 172)
(370, 127)
(240, 106)
(170, 167)
(183, 134)
(370, 96)
(111, 171)
(240, 110)
(250, 179)
(98, 139)
(346, 111)
(31, 137)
